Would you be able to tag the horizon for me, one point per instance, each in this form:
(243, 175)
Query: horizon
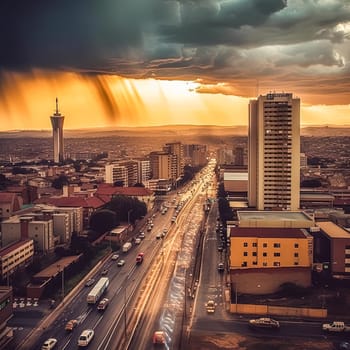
(116, 128)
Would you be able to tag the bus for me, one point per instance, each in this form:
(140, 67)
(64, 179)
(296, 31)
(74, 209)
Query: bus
(96, 292)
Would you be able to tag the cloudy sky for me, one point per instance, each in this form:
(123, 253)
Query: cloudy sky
(155, 62)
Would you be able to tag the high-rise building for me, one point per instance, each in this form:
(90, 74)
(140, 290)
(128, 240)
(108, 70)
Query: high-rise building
(274, 152)
(57, 120)
(161, 165)
(176, 149)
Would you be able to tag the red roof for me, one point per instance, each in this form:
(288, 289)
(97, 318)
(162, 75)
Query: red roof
(13, 246)
(110, 190)
(91, 202)
(266, 232)
(6, 197)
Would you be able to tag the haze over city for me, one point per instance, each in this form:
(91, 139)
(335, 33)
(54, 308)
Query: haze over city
(146, 63)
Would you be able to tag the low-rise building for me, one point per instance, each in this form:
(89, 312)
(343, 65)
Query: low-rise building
(268, 249)
(332, 248)
(15, 256)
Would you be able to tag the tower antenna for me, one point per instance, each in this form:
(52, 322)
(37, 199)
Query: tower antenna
(56, 105)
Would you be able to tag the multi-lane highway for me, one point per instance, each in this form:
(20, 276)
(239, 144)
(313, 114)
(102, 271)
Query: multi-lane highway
(134, 289)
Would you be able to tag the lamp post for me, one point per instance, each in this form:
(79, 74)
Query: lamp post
(62, 279)
(129, 211)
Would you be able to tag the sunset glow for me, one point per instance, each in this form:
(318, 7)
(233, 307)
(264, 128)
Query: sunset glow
(112, 101)
(140, 63)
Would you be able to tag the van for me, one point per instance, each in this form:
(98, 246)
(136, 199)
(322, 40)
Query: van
(86, 337)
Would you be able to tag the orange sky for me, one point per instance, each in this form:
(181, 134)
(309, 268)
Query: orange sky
(27, 101)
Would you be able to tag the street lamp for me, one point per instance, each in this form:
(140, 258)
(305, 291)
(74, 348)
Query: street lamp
(129, 211)
(62, 280)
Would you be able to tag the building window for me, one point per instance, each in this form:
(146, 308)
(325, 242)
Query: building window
(245, 253)
(255, 263)
(264, 254)
(276, 263)
(244, 264)
(296, 263)
(296, 255)
(276, 254)
(264, 263)
(254, 253)
(245, 244)
(255, 245)
(277, 245)
(264, 245)
(296, 245)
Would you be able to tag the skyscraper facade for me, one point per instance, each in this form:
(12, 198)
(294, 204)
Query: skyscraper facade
(57, 120)
(274, 152)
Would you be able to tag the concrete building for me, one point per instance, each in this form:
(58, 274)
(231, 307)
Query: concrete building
(117, 173)
(225, 156)
(332, 247)
(15, 256)
(40, 231)
(268, 249)
(195, 155)
(144, 170)
(274, 152)
(177, 168)
(161, 165)
(9, 203)
(57, 120)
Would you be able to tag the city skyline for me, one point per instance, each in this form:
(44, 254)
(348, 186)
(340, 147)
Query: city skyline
(183, 63)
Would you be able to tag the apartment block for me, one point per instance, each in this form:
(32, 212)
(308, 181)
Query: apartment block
(14, 256)
(274, 152)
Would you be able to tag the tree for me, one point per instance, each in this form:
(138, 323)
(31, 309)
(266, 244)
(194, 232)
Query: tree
(103, 220)
(127, 208)
(139, 184)
(60, 181)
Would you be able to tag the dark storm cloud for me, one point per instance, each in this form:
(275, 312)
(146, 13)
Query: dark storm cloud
(223, 40)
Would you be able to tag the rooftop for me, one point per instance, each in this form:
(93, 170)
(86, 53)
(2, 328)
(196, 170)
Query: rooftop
(274, 216)
(267, 232)
(332, 230)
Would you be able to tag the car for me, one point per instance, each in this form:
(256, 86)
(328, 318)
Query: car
(220, 248)
(158, 337)
(141, 235)
(121, 262)
(137, 240)
(104, 272)
(264, 322)
(159, 236)
(86, 337)
(89, 282)
(70, 325)
(221, 267)
(210, 306)
(115, 257)
(344, 345)
(102, 305)
(49, 344)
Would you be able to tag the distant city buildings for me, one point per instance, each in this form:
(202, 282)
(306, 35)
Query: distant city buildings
(57, 120)
(274, 152)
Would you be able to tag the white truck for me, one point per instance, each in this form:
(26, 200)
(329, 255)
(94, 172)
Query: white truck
(336, 326)
(126, 247)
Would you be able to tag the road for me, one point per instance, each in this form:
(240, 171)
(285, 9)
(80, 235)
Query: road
(126, 283)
